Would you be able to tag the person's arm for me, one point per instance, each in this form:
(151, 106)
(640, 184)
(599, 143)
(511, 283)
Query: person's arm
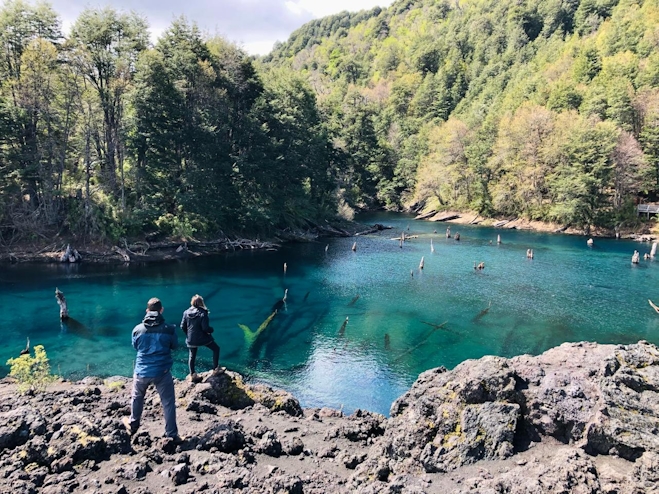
(184, 324)
(204, 324)
(174, 340)
(134, 340)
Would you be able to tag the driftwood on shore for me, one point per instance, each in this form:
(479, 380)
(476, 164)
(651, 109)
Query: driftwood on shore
(446, 217)
(70, 255)
(138, 251)
(325, 230)
(123, 253)
(425, 216)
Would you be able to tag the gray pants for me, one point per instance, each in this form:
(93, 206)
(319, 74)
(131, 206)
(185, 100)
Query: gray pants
(165, 386)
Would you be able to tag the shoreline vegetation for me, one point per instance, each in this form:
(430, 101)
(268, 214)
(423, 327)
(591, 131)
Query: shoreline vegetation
(580, 417)
(142, 251)
(546, 110)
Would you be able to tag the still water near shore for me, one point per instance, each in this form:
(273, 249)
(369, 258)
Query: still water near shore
(569, 292)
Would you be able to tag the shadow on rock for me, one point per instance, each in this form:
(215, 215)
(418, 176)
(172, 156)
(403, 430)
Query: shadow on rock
(229, 390)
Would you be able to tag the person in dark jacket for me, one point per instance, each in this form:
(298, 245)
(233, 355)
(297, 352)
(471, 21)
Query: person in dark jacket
(198, 333)
(154, 341)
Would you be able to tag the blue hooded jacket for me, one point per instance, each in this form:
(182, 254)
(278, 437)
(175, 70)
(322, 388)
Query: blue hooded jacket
(154, 341)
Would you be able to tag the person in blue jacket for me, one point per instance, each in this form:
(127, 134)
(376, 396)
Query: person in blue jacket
(197, 331)
(154, 341)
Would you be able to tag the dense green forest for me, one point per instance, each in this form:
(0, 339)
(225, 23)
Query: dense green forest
(545, 109)
(104, 136)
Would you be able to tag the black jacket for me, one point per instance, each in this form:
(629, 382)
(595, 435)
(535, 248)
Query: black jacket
(196, 328)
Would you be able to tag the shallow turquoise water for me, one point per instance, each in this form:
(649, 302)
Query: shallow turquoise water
(569, 292)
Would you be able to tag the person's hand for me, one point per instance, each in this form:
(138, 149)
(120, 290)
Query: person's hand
(210, 330)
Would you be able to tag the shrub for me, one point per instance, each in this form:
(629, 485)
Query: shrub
(32, 373)
(114, 386)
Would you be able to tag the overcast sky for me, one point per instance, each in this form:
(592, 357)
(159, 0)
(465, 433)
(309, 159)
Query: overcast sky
(253, 24)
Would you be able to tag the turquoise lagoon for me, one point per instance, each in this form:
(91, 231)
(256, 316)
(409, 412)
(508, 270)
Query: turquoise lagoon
(569, 292)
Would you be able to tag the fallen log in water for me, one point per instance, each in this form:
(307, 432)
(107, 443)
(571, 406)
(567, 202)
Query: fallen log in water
(424, 340)
(252, 336)
(405, 237)
(446, 217)
(482, 313)
(374, 229)
(425, 216)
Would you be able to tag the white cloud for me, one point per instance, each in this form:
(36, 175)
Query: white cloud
(258, 47)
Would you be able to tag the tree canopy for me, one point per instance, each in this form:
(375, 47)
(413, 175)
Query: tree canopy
(546, 109)
(537, 108)
(103, 135)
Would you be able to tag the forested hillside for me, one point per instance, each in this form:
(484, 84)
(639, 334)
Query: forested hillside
(547, 109)
(103, 136)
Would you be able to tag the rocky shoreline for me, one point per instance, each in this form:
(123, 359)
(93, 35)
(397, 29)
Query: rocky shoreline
(144, 252)
(642, 234)
(580, 418)
(141, 251)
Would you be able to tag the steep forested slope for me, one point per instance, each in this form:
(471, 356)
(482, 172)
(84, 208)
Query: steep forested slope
(543, 108)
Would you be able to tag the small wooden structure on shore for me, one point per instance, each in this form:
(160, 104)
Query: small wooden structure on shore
(648, 209)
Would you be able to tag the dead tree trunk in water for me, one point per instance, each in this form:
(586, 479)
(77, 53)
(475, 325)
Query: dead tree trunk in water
(61, 301)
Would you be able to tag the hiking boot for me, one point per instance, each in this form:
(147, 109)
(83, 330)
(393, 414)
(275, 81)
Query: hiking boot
(173, 439)
(219, 370)
(128, 426)
(194, 378)
(170, 444)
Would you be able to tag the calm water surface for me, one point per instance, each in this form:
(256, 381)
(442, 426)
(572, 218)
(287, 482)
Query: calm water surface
(569, 292)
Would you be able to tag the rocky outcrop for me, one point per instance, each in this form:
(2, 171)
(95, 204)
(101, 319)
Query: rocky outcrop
(580, 418)
(597, 399)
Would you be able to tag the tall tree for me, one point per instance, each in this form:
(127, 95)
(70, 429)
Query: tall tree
(104, 46)
(28, 68)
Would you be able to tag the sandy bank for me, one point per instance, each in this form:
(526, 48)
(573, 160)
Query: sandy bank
(472, 218)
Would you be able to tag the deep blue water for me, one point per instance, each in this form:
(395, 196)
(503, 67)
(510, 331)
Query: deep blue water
(569, 292)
